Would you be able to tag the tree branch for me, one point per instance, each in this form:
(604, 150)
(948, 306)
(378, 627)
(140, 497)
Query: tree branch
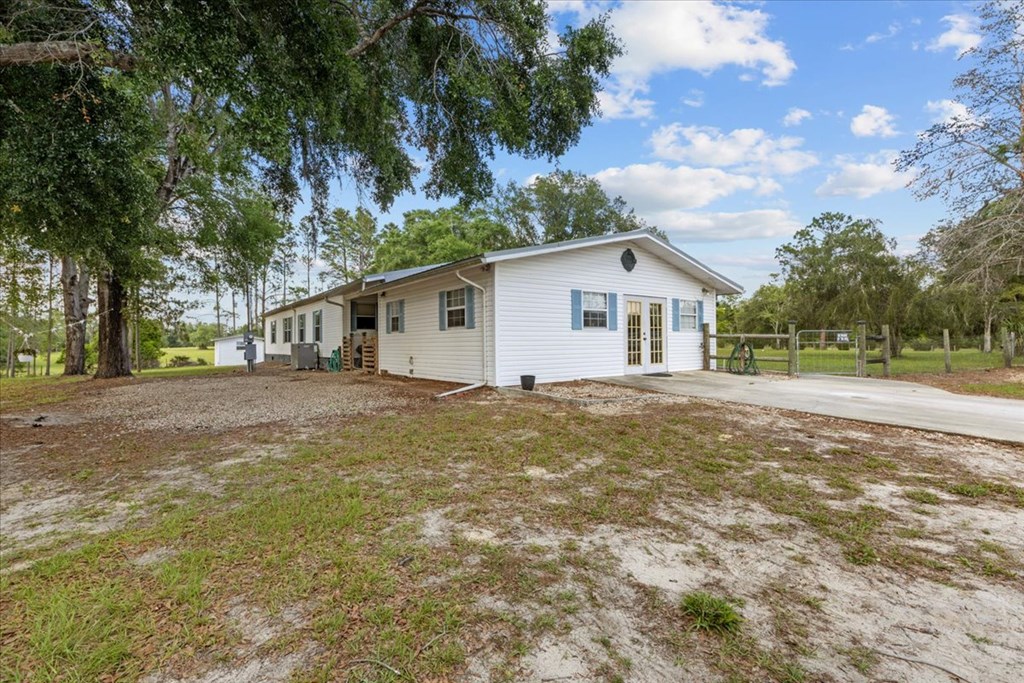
(63, 52)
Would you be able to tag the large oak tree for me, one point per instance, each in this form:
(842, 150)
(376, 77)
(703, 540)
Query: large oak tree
(319, 90)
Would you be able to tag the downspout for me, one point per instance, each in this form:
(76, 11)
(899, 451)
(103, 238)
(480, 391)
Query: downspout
(483, 356)
(342, 307)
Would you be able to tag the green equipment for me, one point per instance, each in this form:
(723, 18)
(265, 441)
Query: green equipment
(334, 363)
(742, 361)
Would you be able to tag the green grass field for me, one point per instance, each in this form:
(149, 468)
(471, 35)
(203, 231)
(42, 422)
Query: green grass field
(911, 362)
(169, 352)
(190, 351)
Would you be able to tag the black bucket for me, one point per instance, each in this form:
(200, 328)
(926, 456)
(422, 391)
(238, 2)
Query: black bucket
(527, 381)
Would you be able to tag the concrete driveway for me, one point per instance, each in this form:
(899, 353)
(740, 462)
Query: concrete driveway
(904, 404)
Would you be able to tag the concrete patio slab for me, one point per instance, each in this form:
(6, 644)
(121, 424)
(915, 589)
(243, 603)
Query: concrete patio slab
(889, 402)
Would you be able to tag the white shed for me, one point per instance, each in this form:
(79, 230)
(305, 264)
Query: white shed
(225, 351)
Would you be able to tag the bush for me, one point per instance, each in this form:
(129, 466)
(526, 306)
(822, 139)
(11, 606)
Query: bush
(922, 344)
(181, 362)
(711, 613)
(201, 361)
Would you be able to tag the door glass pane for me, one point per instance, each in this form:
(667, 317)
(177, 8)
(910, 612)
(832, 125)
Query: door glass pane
(634, 330)
(657, 334)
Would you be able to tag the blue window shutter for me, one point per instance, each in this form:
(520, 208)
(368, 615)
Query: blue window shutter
(470, 308)
(387, 318)
(352, 317)
(675, 315)
(577, 309)
(700, 314)
(613, 311)
(401, 315)
(442, 311)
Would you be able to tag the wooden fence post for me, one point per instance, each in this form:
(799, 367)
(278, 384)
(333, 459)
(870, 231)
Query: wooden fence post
(862, 348)
(791, 369)
(1007, 349)
(706, 330)
(886, 352)
(946, 351)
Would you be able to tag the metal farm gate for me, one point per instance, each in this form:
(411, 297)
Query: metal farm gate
(826, 352)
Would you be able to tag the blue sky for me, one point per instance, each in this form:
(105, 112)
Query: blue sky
(731, 125)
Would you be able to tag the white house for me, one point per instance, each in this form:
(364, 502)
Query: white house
(225, 351)
(593, 307)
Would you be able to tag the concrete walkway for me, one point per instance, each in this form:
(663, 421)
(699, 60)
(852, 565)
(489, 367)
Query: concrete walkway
(903, 404)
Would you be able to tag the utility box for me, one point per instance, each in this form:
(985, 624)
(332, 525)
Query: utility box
(238, 349)
(305, 356)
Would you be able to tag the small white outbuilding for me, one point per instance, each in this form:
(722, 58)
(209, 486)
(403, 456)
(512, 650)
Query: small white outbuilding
(225, 351)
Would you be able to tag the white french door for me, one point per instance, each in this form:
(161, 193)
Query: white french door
(645, 335)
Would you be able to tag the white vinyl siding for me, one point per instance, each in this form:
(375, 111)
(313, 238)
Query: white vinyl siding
(533, 299)
(425, 350)
(332, 318)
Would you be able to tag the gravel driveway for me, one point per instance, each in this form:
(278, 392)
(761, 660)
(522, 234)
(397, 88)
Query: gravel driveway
(218, 402)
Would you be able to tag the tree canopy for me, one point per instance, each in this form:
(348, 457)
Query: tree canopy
(440, 236)
(131, 111)
(839, 269)
(562, 205)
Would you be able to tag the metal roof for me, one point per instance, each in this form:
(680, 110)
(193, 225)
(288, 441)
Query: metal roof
(662, 248)
(659, 246)
(234, 336)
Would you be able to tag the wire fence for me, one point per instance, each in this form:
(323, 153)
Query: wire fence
(837, 354)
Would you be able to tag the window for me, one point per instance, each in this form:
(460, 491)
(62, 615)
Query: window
(317, 325)
(287, 330)
(273, 331)
(365, 316)
(395, 321)
(455, 307)
(302, 327)
(595, 309)
(687, 315)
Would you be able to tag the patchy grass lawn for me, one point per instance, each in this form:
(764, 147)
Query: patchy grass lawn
(998, 382)
(489, 538)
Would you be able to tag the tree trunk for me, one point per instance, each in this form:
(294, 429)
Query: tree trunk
(10, 365)
(263, 298)
(138, 332)
(987, 348)
(74, 280)
(114, 356)
(49, 317)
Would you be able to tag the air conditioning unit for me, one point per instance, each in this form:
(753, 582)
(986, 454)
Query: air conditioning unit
(305, 356)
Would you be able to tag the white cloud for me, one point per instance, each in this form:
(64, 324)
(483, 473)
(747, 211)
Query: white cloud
(873, 121)
(624, 103)
(752, 261)
(865, 177)
(687, 226)
(651, 188)
(891, 32)
(749, 150)
(962, 35)
(948, 111)
(660, 37)
(694, 99)
(795, 116)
